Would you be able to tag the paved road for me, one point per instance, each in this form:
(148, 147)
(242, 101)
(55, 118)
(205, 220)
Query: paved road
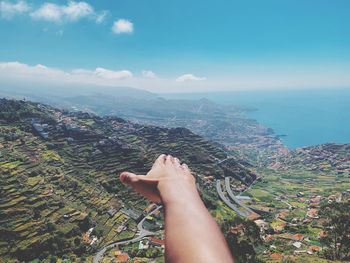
(227, 201)
(223, 160)
(142, 233)
(233, 197)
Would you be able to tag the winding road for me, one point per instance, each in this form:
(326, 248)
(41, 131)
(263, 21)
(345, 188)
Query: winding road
(142, 233)
(233, 197)
(227, 201)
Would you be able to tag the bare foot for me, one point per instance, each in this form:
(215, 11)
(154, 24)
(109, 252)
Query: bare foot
(158, 185)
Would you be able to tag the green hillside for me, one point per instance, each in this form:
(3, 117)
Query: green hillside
(59, 176)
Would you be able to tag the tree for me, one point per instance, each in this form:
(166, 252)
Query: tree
(242, 236)
(53, 259)
(336, 230)
(77, 241)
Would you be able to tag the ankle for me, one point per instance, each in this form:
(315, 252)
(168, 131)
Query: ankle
(177, 192)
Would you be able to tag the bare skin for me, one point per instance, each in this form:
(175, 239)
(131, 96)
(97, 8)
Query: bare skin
(191, 234)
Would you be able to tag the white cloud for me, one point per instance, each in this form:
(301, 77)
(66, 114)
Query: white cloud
(189, 77)
(9, 10)
(109, 74)
(122, 26)
(26, 70)
(16, 74)
(76, 10)
(71, 12)
(50, 12)
(148, 74)
(104, 73)
(20, 73)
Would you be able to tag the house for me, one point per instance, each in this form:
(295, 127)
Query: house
(121, 228)
(121, 257)
(322, 234)
(315, 201)
(298, 237)
(86, 238)
(314, 248)
(208, 178)
(283, 214)
(150, 208)
(157, 214)
(297, 244)
(261, 224)
(269, 238)
(300, 194)
(156, 242)
(93, 241)
(253, 216)
(236, 229)
(143, 244)
(276, 256)
(312, 213)
(111, 212)
(334, 198)
(90, 231)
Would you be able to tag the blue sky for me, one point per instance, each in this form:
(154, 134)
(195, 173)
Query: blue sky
(169, 46)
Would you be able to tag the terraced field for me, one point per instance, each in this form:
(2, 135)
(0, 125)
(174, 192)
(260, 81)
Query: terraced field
(58, 177)
(292, 199)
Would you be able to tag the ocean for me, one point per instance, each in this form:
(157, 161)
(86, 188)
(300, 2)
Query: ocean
(303, 117)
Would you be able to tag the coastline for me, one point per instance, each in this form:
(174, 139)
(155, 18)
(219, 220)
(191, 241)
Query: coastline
(300, 118)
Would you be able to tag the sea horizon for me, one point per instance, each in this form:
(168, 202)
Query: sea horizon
(300, 117)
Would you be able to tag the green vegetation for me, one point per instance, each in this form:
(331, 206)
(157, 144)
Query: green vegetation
(295, 199)
(336, 238)
(243, 238)
(59, 177)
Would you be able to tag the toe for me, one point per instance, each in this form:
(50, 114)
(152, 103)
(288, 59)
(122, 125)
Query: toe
(177, 164)
(169, 160)
(127, 178)
(176, 161)
(130, 178)
(142, 184)
(160, 160)
(185, 169)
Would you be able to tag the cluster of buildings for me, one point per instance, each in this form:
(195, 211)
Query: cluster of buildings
(88, 238)
(297, 242)
(151, 241)
(326, 157)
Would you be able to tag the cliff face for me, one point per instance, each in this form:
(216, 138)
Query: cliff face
(59, 175)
